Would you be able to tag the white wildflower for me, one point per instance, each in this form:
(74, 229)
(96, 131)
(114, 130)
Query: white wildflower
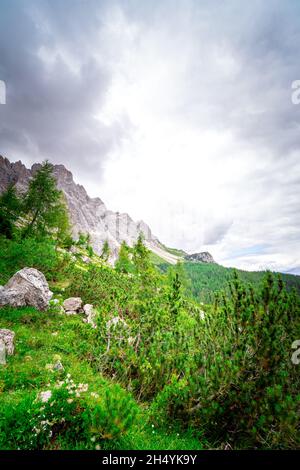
(45, 396)
(82, 388)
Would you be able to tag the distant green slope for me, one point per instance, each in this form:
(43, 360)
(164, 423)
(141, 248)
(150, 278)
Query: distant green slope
(157, 260)
(174, 251)
(206, 279)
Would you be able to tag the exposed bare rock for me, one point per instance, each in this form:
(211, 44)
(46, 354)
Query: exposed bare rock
(203, 257)
(72, 305)
(13, 173)
(27, 287)
(91, 314)
(2, 353)
(7, 337)
(88, 215)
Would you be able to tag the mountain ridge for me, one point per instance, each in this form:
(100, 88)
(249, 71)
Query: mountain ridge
(87, 215)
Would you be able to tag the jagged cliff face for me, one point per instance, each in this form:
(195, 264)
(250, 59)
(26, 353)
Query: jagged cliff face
(203, 257)
(88, 215)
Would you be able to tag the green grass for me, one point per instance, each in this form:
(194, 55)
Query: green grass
(157, 260)
(175, 251)
(42, 337)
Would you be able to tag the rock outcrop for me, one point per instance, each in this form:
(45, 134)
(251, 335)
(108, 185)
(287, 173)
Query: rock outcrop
(27, 287)
(203, 257)
(7, 338)
(88, 215)
(90, 315)
(72, 305)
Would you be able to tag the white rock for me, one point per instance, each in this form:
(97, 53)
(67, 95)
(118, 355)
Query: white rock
(7, 337)
(2, 353)
(91, 314)
(27, 287)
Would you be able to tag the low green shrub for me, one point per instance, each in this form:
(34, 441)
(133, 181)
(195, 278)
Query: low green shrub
(112, 416)
(242, 387)
(66, 411)
(31, 253)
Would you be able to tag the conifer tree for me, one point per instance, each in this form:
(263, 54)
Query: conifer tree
(105, 253)
(44, 207)
(10, 208)
(124, 263)
(175, 296)
(141, 256)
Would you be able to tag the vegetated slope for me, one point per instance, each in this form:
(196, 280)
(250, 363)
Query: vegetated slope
(206, 279)
(169, 375)
(43, 340)
(102, 413)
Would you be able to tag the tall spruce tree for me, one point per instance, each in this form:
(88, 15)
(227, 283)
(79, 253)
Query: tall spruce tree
(44, 207)
(141, 256)
(10, 208)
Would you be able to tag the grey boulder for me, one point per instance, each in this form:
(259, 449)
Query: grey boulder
(72, 305)
(27, 287)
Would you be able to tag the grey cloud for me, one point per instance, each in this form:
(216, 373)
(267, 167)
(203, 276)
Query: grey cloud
(51, 106)
(214, 233)
(253, 101)
(236, 63)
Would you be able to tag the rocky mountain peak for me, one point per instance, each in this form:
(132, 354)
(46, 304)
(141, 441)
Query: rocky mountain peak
(87, 215)
(203, 257)
(12, 173)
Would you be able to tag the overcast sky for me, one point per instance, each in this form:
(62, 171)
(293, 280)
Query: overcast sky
(177, 112)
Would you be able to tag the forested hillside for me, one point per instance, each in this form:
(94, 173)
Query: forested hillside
(204, 280)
